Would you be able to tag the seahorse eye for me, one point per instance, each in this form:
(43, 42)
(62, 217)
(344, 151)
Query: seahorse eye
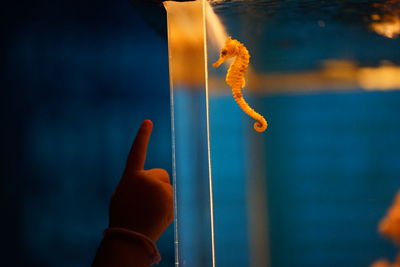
(224, 52)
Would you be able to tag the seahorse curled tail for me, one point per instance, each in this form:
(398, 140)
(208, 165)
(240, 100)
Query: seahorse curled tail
(261, 124)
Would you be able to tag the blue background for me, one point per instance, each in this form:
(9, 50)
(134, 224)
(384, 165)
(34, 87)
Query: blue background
(79, 77)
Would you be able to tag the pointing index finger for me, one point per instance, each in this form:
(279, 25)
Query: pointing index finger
(137, 155)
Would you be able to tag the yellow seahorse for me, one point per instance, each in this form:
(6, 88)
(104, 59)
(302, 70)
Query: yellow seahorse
(235, 78)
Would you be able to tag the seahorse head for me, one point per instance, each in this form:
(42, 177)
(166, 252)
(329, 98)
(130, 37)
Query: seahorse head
(230, 49)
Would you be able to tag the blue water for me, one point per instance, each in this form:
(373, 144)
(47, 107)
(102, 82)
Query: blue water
(333, 168)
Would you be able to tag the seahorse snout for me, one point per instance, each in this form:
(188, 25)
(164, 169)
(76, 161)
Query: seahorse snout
(217, 63)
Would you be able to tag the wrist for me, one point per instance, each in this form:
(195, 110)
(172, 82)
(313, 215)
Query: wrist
(136, 239)
(125, 249)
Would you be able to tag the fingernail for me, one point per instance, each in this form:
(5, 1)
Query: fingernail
(147, 124)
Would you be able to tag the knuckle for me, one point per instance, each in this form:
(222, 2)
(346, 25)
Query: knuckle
(160, 174)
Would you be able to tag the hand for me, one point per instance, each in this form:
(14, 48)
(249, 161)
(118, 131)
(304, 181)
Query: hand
(143, 200)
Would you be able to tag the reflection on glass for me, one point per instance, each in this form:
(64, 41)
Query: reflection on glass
(194, 233)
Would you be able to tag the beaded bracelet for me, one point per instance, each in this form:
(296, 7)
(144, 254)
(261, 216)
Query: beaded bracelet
(148, 244)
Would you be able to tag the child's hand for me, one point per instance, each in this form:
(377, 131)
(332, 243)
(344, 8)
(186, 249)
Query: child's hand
(143, 199)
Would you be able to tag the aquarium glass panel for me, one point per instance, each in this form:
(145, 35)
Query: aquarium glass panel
(303, 131)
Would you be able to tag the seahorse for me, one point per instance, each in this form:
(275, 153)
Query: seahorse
(235, 78)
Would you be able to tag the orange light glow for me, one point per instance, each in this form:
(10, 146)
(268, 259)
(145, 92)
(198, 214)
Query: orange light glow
(388, 27)
(216, 32)
(390, 227)
(384, 77)
(186, 26)
(382, 263)
(387, 22)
